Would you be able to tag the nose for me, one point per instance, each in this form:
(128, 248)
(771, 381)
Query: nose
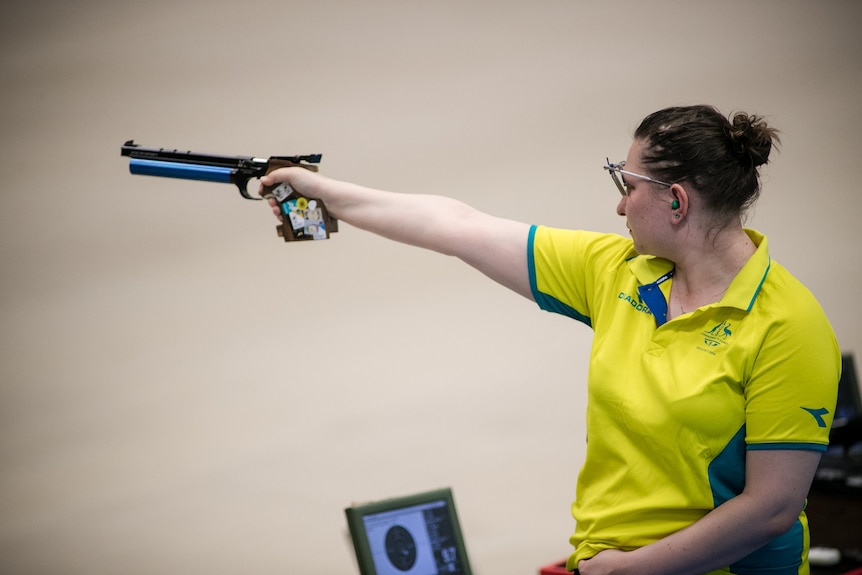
(621, 206)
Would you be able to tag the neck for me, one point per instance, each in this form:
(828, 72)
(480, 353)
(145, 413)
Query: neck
(705, 270)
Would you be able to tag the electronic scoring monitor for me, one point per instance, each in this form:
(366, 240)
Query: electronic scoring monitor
(412, 535)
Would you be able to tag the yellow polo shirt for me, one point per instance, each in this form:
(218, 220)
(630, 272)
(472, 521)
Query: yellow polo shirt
(674, 405)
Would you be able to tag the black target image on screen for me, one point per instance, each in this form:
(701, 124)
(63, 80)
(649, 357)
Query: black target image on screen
(400, 548)
(416, 540)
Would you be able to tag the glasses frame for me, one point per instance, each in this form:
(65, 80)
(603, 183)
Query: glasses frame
(617, 168)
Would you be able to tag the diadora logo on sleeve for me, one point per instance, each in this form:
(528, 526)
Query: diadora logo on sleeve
(715, 337)
(818, 414)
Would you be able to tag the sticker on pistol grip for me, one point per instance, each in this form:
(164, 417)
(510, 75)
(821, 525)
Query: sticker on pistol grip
(282, 191)
(305, 217)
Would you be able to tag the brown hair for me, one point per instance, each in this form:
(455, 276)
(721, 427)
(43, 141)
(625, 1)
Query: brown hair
(718, 156)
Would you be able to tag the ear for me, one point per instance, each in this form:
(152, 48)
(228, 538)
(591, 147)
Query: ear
(679, 203)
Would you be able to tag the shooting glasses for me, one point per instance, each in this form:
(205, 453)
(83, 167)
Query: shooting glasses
(620, 182)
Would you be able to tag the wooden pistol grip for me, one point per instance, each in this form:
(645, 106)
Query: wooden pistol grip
(304, 218)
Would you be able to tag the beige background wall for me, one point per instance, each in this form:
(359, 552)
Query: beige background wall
(182, 393)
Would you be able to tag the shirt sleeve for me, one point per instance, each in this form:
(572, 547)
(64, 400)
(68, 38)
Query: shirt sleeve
(567, 267)
(791, 394)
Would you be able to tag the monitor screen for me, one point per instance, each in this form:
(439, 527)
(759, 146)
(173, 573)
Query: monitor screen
(412, 535)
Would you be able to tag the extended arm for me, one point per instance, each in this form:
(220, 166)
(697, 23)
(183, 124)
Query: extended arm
(495, 246)
(776, 485)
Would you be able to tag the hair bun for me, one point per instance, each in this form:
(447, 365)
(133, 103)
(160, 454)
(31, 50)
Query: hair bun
(751, 139)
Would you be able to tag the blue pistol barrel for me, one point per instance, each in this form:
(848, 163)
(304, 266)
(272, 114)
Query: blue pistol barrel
(180, 170)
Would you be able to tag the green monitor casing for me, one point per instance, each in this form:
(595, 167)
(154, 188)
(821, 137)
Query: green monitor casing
(411, 535)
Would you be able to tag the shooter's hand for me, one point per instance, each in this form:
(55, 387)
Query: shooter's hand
(296, 178)
(293, 197)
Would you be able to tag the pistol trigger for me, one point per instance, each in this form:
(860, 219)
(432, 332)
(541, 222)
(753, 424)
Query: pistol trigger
(243, 190)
